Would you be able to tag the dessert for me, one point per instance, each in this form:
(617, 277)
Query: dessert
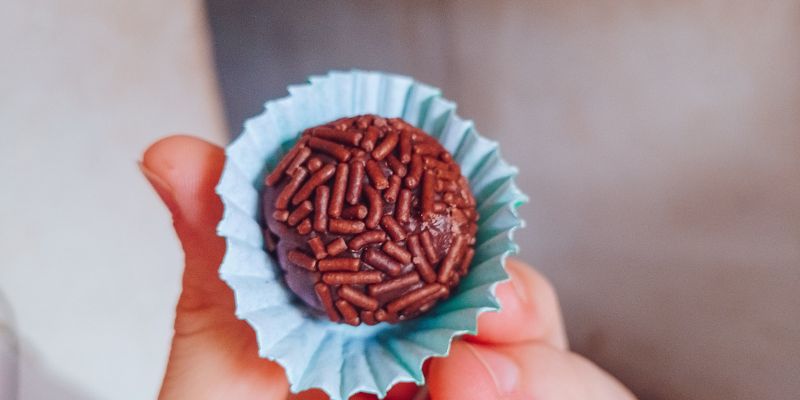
(370, 220)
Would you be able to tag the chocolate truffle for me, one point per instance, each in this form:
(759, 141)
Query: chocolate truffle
(370, 220)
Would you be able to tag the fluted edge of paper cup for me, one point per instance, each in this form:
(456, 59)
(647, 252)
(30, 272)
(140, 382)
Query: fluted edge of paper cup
(342, 360)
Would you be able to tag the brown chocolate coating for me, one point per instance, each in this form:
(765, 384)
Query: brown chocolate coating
(372, 220)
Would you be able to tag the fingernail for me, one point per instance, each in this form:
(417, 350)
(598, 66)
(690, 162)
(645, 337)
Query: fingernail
(162, 188)
(504, 370)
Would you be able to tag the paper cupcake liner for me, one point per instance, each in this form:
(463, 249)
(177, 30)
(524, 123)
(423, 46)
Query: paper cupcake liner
(341, 359)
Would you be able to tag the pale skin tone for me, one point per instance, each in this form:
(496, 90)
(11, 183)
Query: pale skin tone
(520, 352)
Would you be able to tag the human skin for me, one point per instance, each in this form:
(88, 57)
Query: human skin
(520, 352)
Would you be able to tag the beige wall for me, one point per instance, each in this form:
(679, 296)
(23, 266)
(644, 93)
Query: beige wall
(89, 263)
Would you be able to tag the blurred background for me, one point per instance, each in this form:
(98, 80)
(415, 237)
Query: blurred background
(659, 142)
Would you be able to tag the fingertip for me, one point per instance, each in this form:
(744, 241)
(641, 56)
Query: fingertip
(185, 163)
(460, 375)
(168, 152)
(184, 171)
(528, 310)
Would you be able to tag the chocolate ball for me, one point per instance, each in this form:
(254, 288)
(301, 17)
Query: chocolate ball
(370, 220)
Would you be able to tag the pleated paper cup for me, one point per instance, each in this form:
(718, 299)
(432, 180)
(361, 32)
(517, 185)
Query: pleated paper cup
(315, 352)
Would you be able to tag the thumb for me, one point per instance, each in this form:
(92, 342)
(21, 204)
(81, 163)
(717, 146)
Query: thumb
(213, 355)
(521, 371)
(184, 171)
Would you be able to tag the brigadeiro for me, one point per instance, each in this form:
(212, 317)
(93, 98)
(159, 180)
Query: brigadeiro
(370, 220)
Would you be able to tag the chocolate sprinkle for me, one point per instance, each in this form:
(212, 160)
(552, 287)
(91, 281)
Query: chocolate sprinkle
(348, 312)
(376, 216)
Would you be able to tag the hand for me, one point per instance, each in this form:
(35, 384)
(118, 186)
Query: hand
(519, 353)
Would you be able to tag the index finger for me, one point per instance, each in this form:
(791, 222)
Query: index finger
(529, 311)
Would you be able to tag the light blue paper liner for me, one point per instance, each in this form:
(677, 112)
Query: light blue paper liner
(340, 359)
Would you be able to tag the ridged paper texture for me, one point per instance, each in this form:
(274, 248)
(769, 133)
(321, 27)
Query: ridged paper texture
(341, 359)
